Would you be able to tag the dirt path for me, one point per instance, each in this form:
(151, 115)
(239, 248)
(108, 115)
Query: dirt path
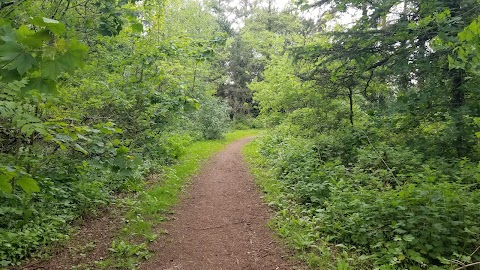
(222, 225)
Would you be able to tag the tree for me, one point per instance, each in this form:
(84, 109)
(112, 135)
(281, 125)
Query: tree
(266, 32)
(403, 44)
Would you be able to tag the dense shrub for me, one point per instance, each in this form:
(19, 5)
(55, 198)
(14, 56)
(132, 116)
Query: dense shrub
(69, 189)
(212, 118)
(391, 205)
(166, 146)
(413, 225)
(243, 122)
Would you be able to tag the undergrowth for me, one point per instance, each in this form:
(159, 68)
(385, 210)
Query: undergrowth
(289, 222)
(357, 216)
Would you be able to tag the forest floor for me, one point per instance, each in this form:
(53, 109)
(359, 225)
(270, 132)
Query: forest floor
(220, 223)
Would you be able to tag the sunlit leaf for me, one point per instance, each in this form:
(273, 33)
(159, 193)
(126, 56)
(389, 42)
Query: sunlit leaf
(80, 149)
(137, 27)
(54, 26)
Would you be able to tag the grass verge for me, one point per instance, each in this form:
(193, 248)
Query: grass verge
(149, 207)
(289, 221)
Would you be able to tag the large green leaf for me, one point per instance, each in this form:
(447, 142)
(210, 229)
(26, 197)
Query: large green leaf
(29, 129)
(8, 76)
(52, 69)
(5, 184)
(41, 84)
(15, 56)
(54, 26)
(67, 62)
(30, 38)
(79, 148)
(23, 63)
(73, 58)
(10, 51)
(6, 31)
(137, 27)
(28, 184)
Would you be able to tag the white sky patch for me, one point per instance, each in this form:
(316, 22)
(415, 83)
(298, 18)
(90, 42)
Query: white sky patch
(237, 23)
(346, 19)
(281, 4)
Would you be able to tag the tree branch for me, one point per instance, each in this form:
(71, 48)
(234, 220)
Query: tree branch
(468, 265)
(368, 83)
(4, 5)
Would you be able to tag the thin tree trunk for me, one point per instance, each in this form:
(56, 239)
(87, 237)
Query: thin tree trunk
(350, 98)
(458, 101)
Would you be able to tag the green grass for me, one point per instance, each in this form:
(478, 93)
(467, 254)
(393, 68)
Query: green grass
(289, 222)
(151, 206)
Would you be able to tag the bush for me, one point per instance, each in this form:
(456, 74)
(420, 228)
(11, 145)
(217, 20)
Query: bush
(68, 188)
(212, 118)
(410, 214)
(247, 122)
(414, 225)
(381, 156)
(297, 165)
(166, 147)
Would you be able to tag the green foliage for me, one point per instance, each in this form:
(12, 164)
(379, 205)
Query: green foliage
(40, 56)
(467, 56)
(247, 122)
(373, 153)
(372, 149)
(127, 255)
(394, 217)
(212, 119)
(11, 177)
(291, 221)
(167, 146)
(248, 52)
(93, 96)
(415, 225)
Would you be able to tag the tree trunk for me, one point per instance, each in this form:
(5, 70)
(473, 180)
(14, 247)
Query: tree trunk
(457, 102)
(458, 97)
(350, 98)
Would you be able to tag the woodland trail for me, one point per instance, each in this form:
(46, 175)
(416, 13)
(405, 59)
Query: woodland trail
(221, 224)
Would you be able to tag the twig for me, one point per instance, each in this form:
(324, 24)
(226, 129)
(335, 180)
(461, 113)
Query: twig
(378, 153)
(468, 265)
(475, 251)
(368, 83)
(28, 266)
(456, 262)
